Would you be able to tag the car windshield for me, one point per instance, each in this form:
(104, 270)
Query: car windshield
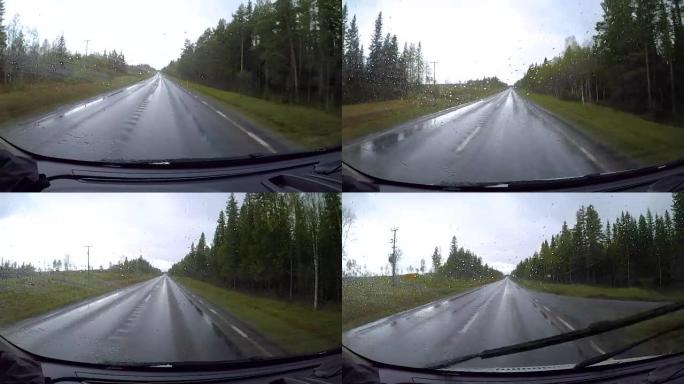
(462, 274)
(160, 279)
(145, 81)
(486, 91)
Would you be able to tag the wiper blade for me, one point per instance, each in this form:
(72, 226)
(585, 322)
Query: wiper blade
(605, 356)
(591, 330)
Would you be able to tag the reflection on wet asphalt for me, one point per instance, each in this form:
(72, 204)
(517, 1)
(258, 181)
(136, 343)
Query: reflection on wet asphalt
(151, 120)
(498, 139)
(152, 322)
(496, 315)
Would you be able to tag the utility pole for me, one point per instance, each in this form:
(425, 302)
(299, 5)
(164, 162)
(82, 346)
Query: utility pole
(434, 71)
(393, 258)
(87, 43)
(88, 247)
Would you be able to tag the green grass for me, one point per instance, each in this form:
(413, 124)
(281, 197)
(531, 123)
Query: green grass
(295, 327)
(32, 99)
(26, 297)
(647, 142)
(359, 120)
(365, 299)
(308, 127)
(666, 344)
(600, 292)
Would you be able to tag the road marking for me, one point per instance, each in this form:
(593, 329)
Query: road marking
(546, 308)
(148, 297)
(265, 352)
(468, 139)
(236, 329)
(248, 133)
(469, 323)
(565, 323)
(212, 311)
(596, 347)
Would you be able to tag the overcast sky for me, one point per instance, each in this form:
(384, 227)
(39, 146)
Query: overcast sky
(148, 31)
(500, 228)
(477, 38)
(160, 227)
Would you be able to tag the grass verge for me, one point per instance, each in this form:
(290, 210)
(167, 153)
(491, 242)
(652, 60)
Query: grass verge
(669, 343)
(600, 292)
(308, 127)
(25, 297)
(365, 299)
(647, 142)
(295, 327)
(32, 99)
(359, 120)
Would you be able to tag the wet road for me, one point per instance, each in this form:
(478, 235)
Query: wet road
(502, 138)
(152, 120)
(496, 315)
(150, 322)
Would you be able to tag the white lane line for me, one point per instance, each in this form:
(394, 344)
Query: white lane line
(248, 133)
(546, 308)
(566, 323)
(469, 323)
(265, 352)
(596, 347)
(468, 139)
(212, 311)
(472, 319)
(148, 297)
(236, 329)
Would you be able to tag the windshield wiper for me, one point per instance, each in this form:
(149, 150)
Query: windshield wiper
(605, 356)
(591, 330)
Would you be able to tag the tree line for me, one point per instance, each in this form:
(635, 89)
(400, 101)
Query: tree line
(286, 50)
(386, 73)
(644, 251)
(137, 266)
(462, 264)
(123, 267)
(635, 61)
(287, 245)
(25, 59)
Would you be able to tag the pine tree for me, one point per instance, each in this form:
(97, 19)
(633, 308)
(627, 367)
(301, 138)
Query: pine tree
(3, 41)
(436, 260)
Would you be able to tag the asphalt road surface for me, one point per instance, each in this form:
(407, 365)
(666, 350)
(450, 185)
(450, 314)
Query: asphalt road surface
(152, 120)
(502, 138)
(151, 322)
(495, 315)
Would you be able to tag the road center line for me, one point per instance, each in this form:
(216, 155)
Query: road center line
(596, 347)
(236, 329)
(469, 323)
(566, 323)
(468, 139)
